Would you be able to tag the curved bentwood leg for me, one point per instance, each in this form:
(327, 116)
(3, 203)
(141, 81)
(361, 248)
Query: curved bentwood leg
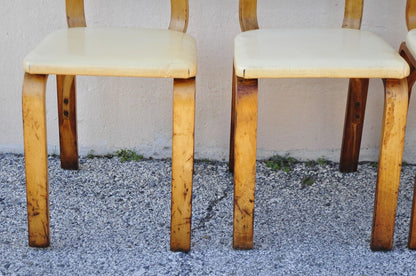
(232, 127)
(246, 102)
(66, 88)
(353, 125)
(36, 159)
(182, 163)
(389, 165)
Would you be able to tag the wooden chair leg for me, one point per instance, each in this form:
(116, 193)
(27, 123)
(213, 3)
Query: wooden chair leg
(66, 87)
(182, 163)
(245, 161)
(232, 127)
(389, 166)
(36, 159)
(353, 125)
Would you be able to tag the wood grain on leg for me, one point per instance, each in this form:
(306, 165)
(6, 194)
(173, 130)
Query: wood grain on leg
(66, 87)
(389, 166)
(248, 15)
(353, 14)
(353, 125)
(75, 15)
(245, 162)
(182, 163)
(36, 159)
(179, 15)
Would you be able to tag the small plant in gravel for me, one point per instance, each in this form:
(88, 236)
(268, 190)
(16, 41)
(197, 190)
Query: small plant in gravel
(310, 163)
(318, 162)
(374, 164)
(128, 155)
(284, 163)
(307, 181)
(109, 155)
(90, 154)
(54, 153)
(322, 161)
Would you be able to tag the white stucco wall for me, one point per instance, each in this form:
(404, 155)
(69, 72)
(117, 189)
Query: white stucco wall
(302, 117)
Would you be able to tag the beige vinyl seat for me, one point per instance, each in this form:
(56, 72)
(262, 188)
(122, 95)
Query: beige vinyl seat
(408, 52)
(346, 52)
(411, 42)
(108, 51)
(123, 52)
(301, 53)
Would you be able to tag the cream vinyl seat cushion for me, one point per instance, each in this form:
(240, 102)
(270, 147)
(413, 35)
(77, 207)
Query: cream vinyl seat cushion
(411, 42)
(316, 53)
(115, 52)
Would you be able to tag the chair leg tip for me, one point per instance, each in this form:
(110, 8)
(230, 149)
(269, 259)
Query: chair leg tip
(243, 245)
(70, 166)
(39, 244)
(183, 245)
(380, 247)
(412, 245)
(347, 169)
(180, 249)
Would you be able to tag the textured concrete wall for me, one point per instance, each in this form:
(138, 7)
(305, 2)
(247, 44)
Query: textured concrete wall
(302, 117)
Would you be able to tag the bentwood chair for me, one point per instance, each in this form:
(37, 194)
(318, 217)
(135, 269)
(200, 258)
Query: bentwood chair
(408, 52)
(108, 51)
(345, 52)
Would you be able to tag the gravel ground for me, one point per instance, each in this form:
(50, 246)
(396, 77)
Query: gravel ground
(112, 218)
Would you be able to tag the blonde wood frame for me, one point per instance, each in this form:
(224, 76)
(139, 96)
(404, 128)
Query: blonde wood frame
(353, 14)
(245, 145)
(411, 14)
(248, 15)
(34, 126)
(36, 159)
(75, 14)
(244, 135)
(389, 163)
(182, 163)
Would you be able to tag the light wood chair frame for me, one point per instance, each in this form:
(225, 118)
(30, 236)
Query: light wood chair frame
(243, 140)
(35, 142)
(406, 54)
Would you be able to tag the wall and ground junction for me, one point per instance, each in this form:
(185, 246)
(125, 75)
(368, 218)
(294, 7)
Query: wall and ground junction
(301, 117)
